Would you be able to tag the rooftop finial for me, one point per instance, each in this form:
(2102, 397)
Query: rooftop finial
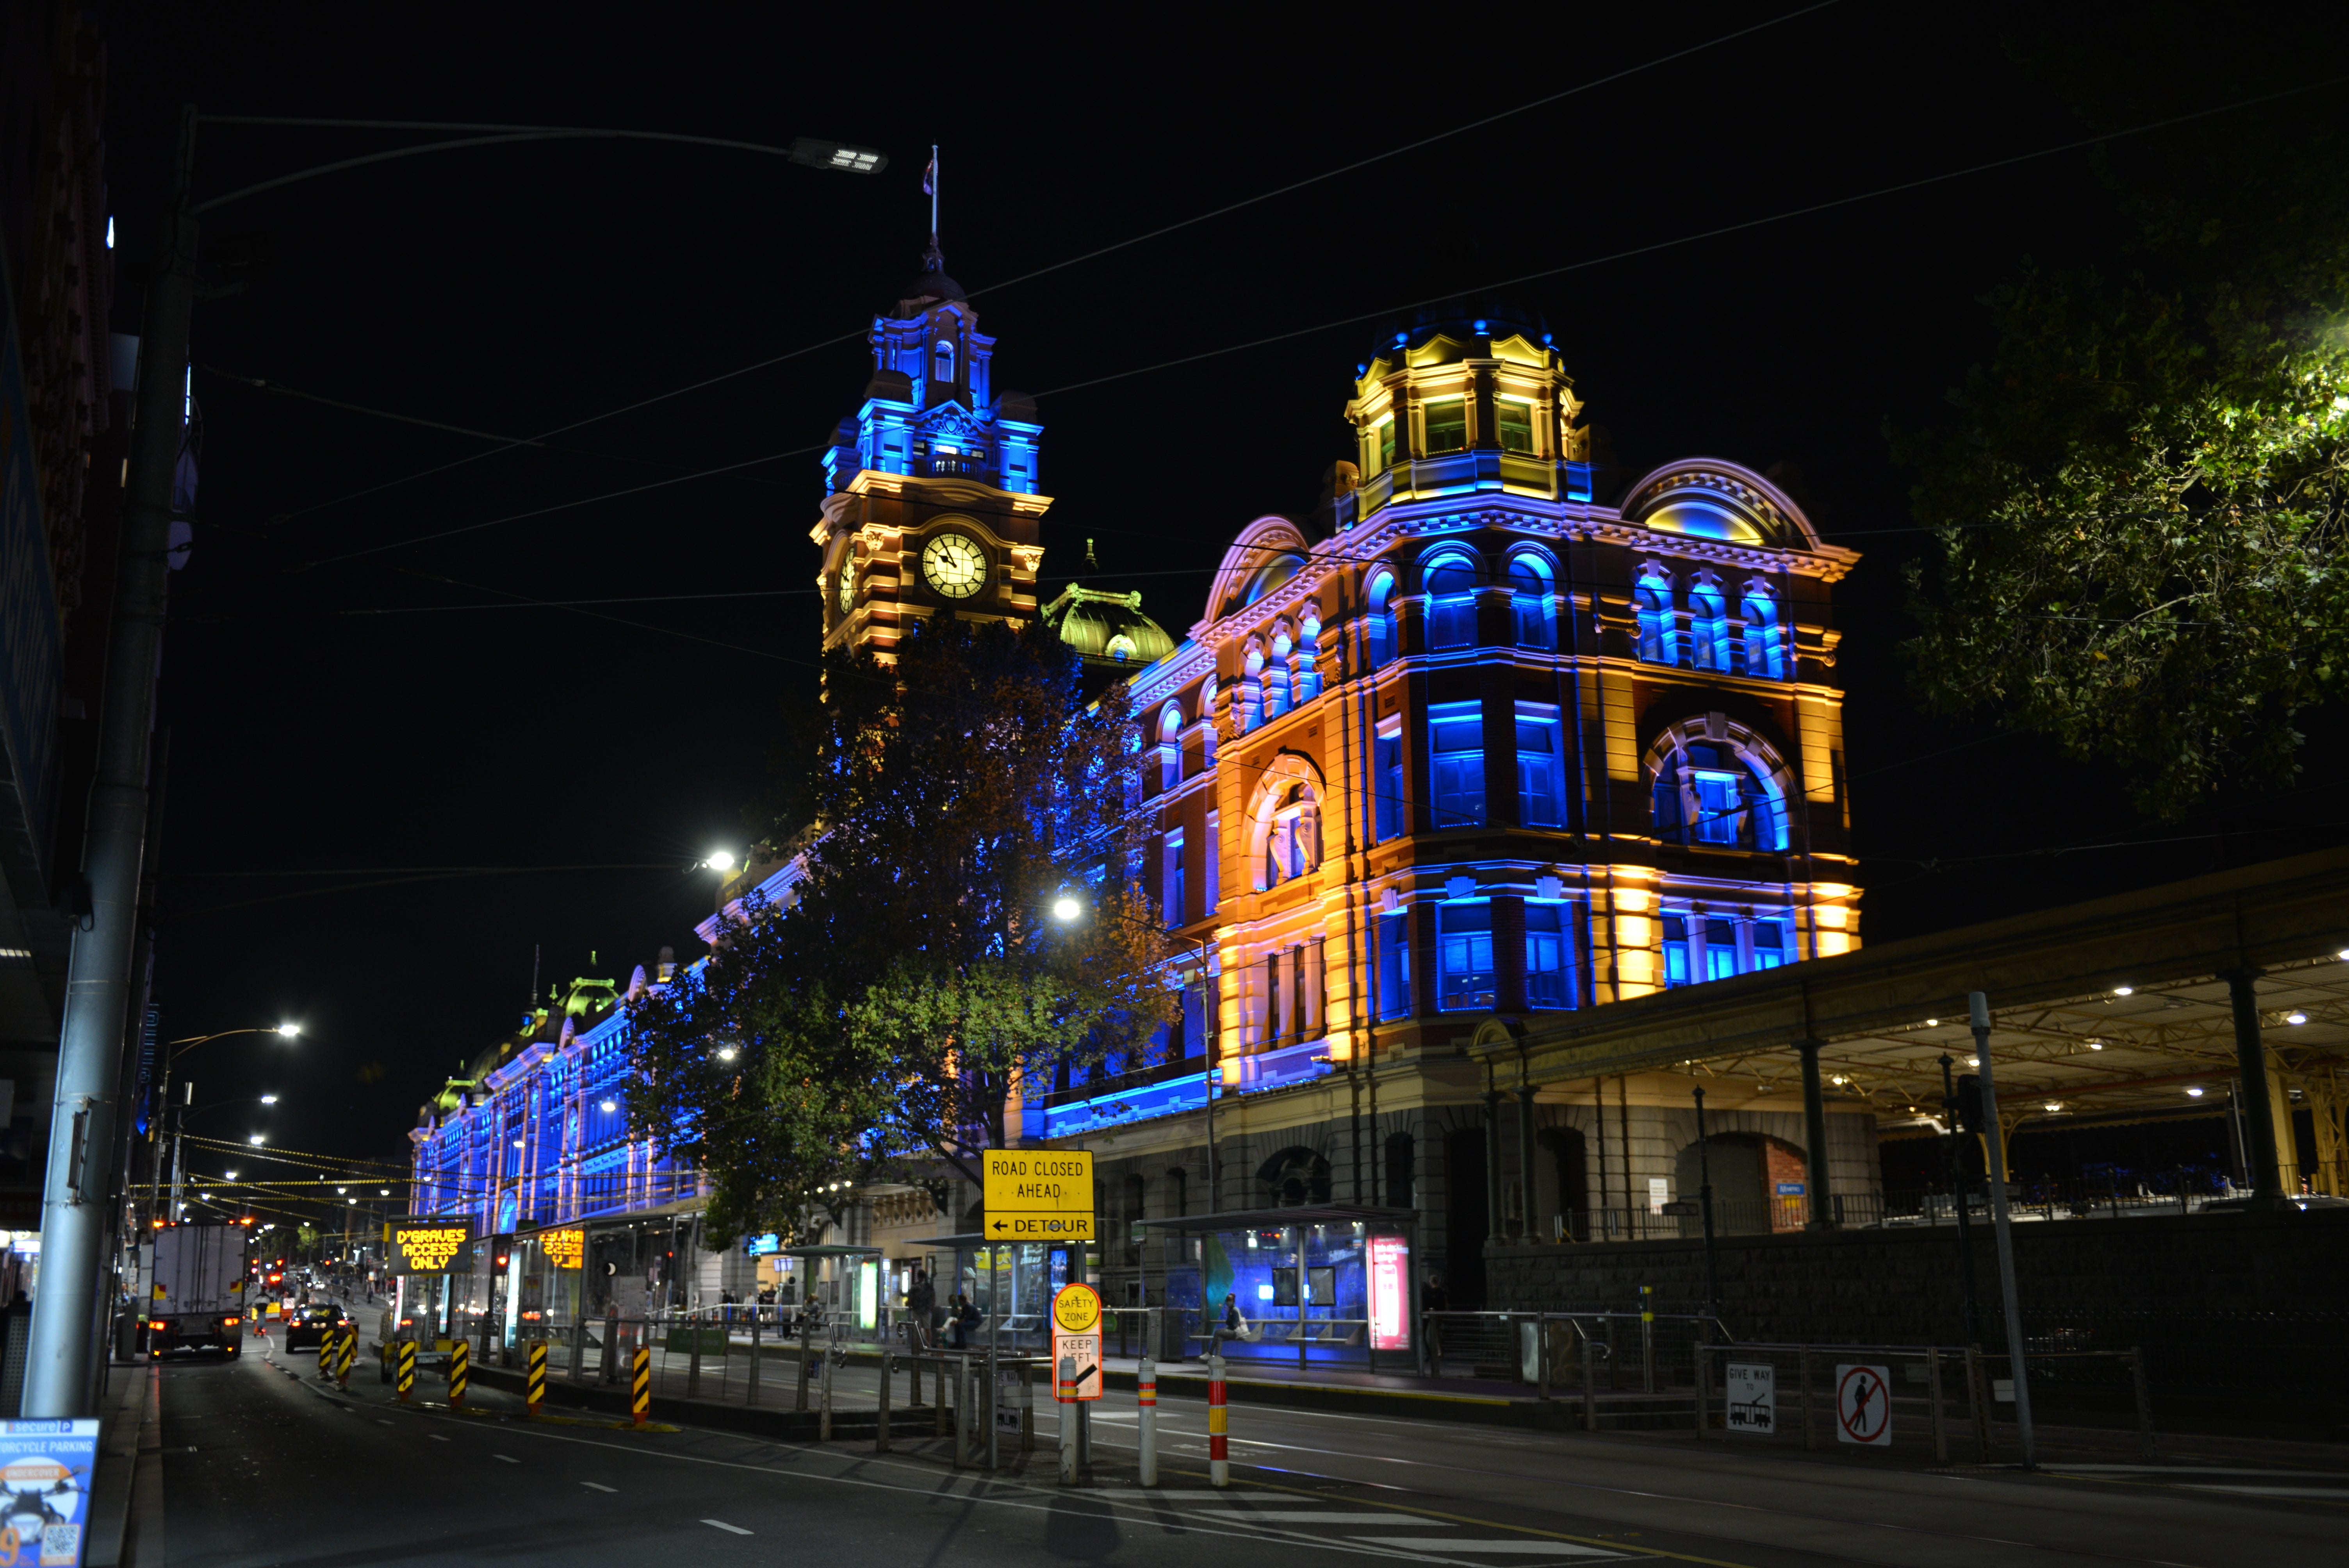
(932, 259)
(1091, 564)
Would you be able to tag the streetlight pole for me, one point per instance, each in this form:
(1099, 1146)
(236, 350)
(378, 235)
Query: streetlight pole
(1705, 1200)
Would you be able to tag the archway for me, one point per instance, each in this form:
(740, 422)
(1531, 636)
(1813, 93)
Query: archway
(1294, 1178)
(1750, 1170)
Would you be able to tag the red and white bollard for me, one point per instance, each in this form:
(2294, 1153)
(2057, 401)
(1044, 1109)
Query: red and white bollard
(1219, 1457)
(1145, 1383)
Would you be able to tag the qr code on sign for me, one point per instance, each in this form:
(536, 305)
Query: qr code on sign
(60, 1546)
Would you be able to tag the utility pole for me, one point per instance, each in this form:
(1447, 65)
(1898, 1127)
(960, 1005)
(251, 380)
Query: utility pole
(1960, 1182)
(1978, 1008)
(76, 1218)
(1705, 1201)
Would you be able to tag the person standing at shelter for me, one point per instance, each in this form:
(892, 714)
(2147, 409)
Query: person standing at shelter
(921, 1301)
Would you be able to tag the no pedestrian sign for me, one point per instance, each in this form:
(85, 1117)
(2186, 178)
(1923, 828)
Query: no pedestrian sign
(1038, 1196)
(1864, 1405)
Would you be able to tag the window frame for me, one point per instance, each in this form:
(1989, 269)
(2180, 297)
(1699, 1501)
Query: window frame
(1483, 999)
(1440, 715)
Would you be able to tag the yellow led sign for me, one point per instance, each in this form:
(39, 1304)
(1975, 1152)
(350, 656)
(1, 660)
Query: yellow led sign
(428, 1246)
(564, 1249)
(1038, 1195)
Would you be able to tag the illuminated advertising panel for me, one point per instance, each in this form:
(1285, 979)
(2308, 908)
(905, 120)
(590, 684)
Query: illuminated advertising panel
(565, 1249)
(428, 1246)
(1390, 1293)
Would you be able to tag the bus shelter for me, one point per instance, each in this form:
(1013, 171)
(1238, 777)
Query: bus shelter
(848, 1284)
(1316, 1285)
(1010, 1282)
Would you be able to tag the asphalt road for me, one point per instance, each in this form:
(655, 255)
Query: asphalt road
(263, 1465)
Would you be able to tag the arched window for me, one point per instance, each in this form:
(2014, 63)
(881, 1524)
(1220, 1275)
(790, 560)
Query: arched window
(1709, 626)
(942, 362)
(1764, 656)
(1292, 843)
(1451, 584)
(1381, 619)
(1659, 640)
(1712, 792)
(1529, 602)
(1170, 746)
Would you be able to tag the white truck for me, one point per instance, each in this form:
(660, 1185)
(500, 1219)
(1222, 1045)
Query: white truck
(195, 1278)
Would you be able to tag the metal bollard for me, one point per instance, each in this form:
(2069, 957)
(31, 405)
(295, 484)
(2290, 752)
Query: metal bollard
(806, 1372)
(824, 1419)
(640, 1385)
(751, 1373)
(1978, 1401)
(1647, 1341)
(1703, 1392)
(881, 1428)
(607, 1365)
(461, 1359)
(1063, 1396)
(962, 1413)
(1940, 1431)
(1219, 1453)
(938, 1387)
(535, 1378)
(1027, 1409)
(578, 1350)
(1145, 1387)
(692, 1360)
(1590, 1384)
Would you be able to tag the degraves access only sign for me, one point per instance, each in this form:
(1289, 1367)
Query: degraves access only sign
(1038, 1196)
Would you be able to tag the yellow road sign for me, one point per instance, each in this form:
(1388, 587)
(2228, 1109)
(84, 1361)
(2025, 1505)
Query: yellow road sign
(1076, 1308)
(1038, 1195)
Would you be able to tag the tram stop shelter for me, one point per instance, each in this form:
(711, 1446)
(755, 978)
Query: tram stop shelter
(847, 1280)
(1312, 1285)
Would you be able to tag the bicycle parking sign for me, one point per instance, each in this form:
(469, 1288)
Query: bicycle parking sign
(1864, 1405)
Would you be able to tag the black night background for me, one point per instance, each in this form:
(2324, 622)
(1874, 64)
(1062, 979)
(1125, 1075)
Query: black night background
(355, 718)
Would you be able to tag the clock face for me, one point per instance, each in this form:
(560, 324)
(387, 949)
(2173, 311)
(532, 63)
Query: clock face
(952, 566)
(847, 589)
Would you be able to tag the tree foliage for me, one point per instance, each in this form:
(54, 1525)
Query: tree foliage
(878, 1023)
(2139, 506)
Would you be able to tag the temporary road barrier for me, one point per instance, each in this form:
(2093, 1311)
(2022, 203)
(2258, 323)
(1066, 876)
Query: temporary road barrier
(1219, 1457)
(1146, 1384)
(326, 1354)
(640, 1385)
(534, 1383)
(406, 1376)
(347, 1350)
(461, 1359)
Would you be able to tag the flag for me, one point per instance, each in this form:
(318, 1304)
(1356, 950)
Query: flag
(930, 177)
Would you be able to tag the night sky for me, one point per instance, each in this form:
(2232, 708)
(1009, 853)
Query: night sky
(342, 722)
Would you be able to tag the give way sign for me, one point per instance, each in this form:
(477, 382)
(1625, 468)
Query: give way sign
(1864, 1405)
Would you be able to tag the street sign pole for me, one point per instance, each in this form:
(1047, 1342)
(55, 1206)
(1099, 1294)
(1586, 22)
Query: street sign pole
(1977, 1008)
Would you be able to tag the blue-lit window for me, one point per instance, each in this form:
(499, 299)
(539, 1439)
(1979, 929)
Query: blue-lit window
(1709, 794)
(1465, 941)
(1769, 944)
(1720, 949)
(942, 362)
(1764, 656)
(1709, 626)
(1174, 905)
(1451, 602)
(1292, 840)
(1529, 602)
(1539, 795)
(1456, 743)
(1446, 423)
(1659, 642)
(1212, 866)
(1386, 780)
(1549, 975)
(1676, 952)
(1276, 689)
(1394, 932)
(1381, 627)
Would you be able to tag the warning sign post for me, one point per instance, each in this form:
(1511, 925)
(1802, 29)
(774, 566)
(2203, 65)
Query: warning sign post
(1753, 1390)
(1864, 1405)
(1076, 1345)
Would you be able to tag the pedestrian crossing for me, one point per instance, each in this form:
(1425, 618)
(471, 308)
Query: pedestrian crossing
(1384, 1532)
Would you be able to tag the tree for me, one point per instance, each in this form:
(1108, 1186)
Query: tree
(2140, 508)
(880, 1023)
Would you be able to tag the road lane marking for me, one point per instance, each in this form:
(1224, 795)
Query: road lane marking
(1303, 1516)
(381, 1422)
(598, 1486)
(721, 1524)
(437, 1436)
(508, 1457)
(1513, 1548)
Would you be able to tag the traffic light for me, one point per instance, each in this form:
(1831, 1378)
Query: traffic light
(1968, 1105)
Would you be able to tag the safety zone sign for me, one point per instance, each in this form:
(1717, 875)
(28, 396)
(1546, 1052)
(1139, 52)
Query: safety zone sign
(1076, 1344)
(1038, 1196)
(1864, 1405)
(1752, 1388)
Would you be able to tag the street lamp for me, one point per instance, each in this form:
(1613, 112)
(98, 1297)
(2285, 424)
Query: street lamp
(256, 1140)
(1066, 909)
(720, 860)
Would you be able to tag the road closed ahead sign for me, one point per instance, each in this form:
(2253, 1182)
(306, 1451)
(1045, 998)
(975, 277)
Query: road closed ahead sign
(1038, 1196)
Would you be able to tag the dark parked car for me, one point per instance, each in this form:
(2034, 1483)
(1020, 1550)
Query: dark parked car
(305, 1328)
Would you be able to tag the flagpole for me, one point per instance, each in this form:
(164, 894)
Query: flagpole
(934, 193)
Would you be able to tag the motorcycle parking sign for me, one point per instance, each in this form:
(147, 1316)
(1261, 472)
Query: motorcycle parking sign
(44, 1473)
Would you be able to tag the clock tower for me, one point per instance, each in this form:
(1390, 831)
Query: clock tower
(931, 506)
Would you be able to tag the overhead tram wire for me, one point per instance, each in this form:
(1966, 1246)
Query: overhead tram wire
(1389, 313)
(858, 334)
